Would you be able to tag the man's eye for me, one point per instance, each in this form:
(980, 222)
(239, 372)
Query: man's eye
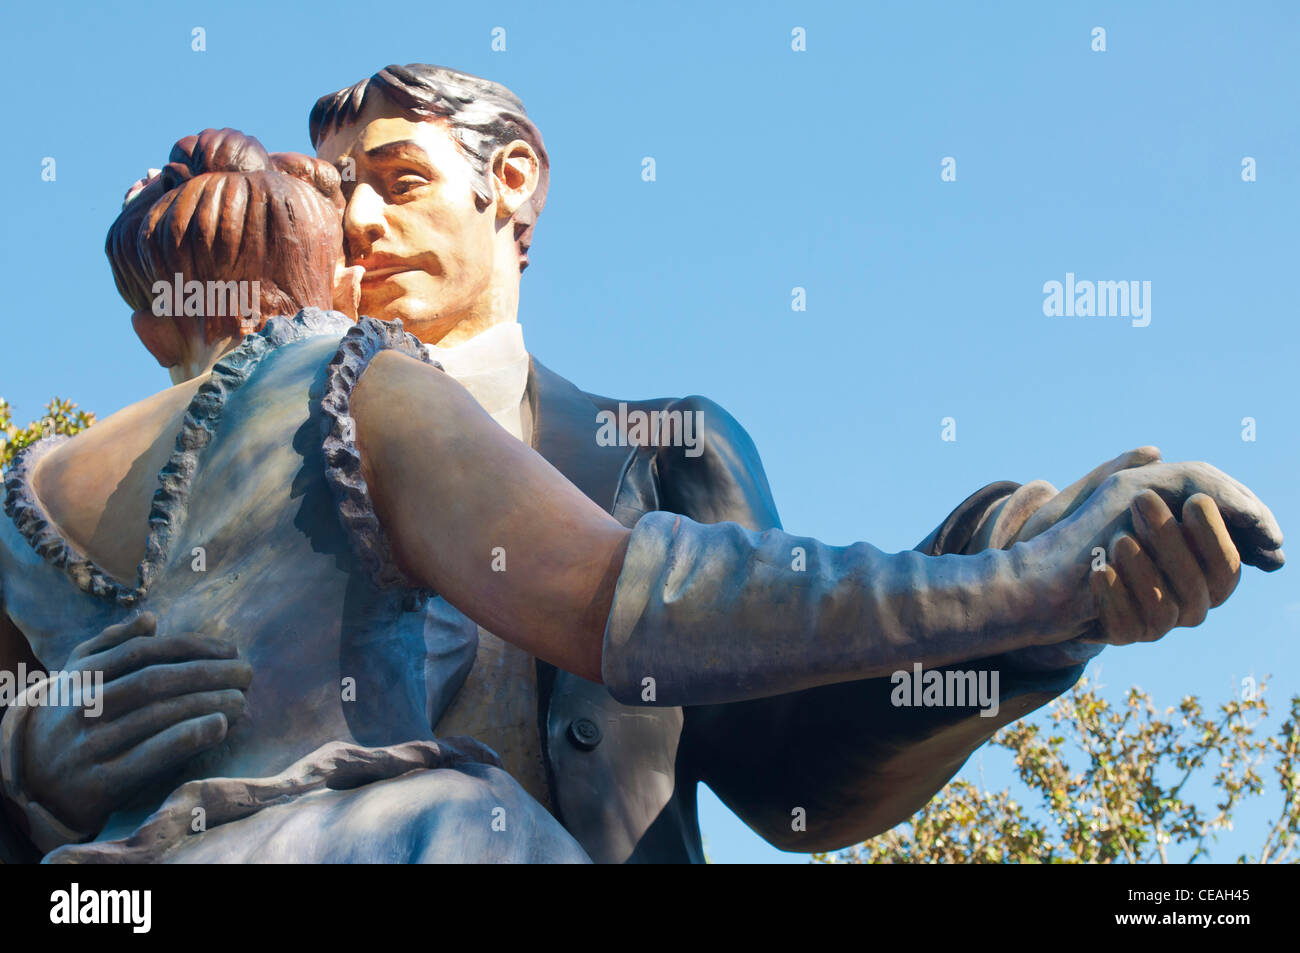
(406, 183)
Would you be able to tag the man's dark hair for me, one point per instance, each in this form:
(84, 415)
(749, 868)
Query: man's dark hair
(483, 116)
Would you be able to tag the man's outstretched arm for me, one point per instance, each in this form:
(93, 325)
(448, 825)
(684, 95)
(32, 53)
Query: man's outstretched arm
(452, 494)
(855, 763)
(587, 595)
(719, 614)
(852, 760)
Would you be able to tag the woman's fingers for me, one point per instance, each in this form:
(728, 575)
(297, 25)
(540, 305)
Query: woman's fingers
(1251, 526)
(1162, 539)
(1208, 537)
(1074, 495)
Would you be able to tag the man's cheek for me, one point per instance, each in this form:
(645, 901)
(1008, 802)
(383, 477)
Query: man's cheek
(376, 300)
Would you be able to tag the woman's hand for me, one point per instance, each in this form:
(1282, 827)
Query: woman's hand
(1149, 573)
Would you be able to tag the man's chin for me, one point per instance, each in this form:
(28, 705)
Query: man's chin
(389, 304)
(384, 312)
(414, 313)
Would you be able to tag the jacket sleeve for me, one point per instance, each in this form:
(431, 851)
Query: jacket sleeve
(829, 766)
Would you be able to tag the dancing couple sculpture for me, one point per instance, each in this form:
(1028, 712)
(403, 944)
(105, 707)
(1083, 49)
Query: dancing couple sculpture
(371, 583)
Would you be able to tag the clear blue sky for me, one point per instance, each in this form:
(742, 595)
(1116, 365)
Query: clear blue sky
(777, 169)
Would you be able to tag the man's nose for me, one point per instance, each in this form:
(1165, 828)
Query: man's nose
(363, 221)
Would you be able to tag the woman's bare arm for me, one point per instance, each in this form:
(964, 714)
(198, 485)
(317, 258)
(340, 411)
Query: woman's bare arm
(457, 495)
(451, 487)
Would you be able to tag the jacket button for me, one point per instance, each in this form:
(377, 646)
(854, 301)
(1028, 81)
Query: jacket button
(584, 733)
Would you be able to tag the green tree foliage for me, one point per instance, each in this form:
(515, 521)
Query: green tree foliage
(61, 417)
(1127, 803)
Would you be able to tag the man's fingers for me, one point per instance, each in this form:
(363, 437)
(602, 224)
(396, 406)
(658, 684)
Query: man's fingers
(1120, 621)
(142, 651)
(1074, 495)
(1000, 530)
(144, 624)
(138, 689)
(1209, 539)
(135, 727)
(163, 753)
(1162, 539)
(1151, 595)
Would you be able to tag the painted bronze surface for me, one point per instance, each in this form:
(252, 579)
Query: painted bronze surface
(768, 654)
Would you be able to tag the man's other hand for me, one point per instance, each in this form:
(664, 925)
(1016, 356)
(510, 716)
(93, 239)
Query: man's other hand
(165, 699)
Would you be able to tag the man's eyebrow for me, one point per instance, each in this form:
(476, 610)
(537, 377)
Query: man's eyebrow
(397, 150)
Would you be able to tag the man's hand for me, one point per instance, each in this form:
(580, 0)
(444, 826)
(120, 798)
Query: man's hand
(1063, 504)
(1158, 574)
(1037, 506)
(1165, 575)
(165, 699)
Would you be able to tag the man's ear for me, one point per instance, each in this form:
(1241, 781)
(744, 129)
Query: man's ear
(515, 171)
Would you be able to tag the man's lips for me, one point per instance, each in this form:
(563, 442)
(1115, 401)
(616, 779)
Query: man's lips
(372, 275)
(380, 267)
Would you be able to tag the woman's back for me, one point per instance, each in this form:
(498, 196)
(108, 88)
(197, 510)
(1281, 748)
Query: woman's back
(243, 541)
(98, 486)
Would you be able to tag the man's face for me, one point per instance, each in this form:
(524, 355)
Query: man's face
(412, 224)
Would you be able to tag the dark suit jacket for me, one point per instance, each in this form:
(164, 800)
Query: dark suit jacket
(623, 779)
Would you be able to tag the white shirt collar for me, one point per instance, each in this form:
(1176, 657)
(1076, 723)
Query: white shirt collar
(493, 367)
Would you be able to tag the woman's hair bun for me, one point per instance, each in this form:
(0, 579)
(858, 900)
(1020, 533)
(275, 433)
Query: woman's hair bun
(214, 150)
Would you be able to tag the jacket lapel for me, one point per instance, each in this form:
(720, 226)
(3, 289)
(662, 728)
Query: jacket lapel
(564, 432)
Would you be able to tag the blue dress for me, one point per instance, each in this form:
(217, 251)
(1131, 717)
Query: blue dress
(262, 532)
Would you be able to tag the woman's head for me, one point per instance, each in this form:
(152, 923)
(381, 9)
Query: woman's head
(251, 235)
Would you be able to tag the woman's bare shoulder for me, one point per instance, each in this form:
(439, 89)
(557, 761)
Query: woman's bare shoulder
(129, 432)
(117, 460)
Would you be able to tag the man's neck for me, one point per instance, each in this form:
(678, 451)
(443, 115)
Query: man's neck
(493, 367)
(466, 331)
(499, 304)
